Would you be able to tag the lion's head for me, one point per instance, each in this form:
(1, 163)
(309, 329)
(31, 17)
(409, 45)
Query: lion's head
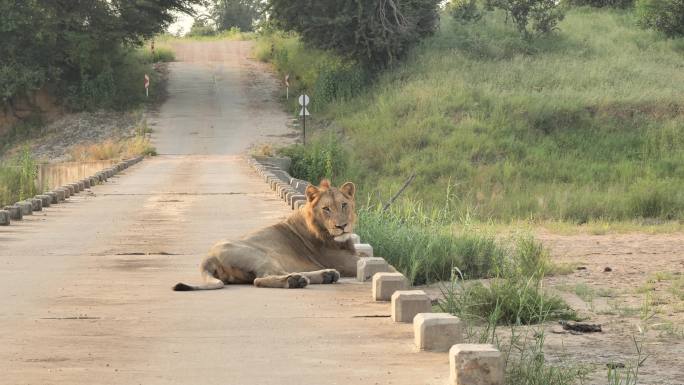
(330, 212)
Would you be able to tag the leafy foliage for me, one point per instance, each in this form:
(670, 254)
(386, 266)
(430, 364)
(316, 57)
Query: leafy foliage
(666, 16)
(543, 15)
(201, 26)
(242, 14)
(78, 45)
(465, 10)
(375, 33)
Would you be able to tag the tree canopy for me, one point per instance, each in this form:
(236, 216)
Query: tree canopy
(73, 40)
(373, 32)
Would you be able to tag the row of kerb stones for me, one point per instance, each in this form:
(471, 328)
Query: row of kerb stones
(470, 364)
(19, 210)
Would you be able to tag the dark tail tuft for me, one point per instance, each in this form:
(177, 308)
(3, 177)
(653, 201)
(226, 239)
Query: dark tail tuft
(182, 287)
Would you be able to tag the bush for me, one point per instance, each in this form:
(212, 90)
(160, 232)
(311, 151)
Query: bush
(666, 16)
(375, 33)
(465, 10)
(543, 15)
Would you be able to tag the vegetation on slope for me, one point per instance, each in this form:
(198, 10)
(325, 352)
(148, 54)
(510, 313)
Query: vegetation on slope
(582, 124)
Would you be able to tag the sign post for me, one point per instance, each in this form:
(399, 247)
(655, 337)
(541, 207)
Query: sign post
(304, 101)
(287, 87)
(147, 86)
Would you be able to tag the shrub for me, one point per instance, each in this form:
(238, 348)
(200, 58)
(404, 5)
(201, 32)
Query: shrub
(375, 33)
(543, 15)
(465, 10)
(666, 16)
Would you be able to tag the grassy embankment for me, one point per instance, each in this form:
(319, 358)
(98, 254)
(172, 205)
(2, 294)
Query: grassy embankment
(584, 125)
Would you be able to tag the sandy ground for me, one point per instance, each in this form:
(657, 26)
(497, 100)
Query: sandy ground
(636, 298)
(85, 286)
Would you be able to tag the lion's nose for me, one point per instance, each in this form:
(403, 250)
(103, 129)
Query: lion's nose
(341, 227)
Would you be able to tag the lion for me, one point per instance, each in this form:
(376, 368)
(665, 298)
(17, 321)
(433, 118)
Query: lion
(312, 246)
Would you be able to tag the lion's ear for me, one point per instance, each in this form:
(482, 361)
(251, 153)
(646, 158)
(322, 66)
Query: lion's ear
(348, 189)
(324, 185)
(312, 192)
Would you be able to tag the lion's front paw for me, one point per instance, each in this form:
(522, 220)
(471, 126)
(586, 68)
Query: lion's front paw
(330, 276)
(296, 281)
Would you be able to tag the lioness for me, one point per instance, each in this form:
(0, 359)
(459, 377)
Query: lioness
(313, 245)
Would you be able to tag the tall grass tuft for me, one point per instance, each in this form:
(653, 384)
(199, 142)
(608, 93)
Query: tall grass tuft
(18, 178)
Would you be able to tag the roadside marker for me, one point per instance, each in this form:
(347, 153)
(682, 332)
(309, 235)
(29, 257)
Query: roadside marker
(304, 101)
(147, 86)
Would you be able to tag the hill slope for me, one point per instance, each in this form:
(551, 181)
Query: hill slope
(587, 123)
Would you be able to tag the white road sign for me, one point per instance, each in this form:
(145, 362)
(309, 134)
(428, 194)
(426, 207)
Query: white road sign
(303, 100)
(304, 112)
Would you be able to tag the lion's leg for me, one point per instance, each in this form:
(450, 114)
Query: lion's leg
(284, 281)
(322, 276)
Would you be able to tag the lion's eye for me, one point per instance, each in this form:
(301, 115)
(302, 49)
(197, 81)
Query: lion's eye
(344, 205)
(326, 209)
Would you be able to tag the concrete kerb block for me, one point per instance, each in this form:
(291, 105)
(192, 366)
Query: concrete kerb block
(37, 204)
(86, 183)
(54, 199)
(26, 208)
(356, 239)
(367, 267)
(364, 250)
(299, 204)
(61, 194)
(14, 212)
(45, 200)
(475, 364)
(94, 180)
(4, 218)
(76, 187)
(296, 197)
(385, 284)
(437, 331)
(407, 303)
(285, 191)
(81, 185)
(67, 191)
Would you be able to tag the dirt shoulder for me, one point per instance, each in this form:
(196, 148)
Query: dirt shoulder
(632, 285)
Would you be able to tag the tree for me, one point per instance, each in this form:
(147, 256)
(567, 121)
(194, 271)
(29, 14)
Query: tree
(666, 16)
(236, 13)
(544, 15)
(374, 32)
(75, 44)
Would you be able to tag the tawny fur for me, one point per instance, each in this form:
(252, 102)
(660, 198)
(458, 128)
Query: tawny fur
(313, 245)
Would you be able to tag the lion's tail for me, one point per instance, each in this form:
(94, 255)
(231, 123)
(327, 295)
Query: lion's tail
(207, 286)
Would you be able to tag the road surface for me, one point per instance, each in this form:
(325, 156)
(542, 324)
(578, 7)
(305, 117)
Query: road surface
(85, 286)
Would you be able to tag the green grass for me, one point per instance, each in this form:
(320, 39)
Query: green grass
(582, 125)
(17, 179)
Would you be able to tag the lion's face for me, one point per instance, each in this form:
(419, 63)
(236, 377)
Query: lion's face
(331, 211)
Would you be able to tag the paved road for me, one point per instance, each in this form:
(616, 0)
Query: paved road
(85, 286)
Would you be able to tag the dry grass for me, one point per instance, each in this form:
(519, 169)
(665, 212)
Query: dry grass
(111, 149)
